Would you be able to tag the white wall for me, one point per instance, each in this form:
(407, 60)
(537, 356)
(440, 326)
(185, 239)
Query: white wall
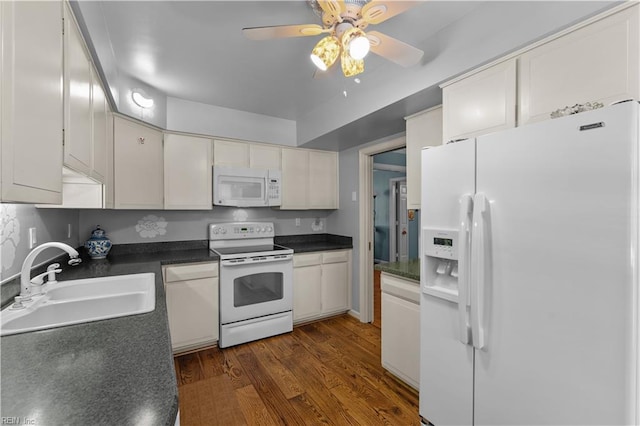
(145, 226)
(346, 220)
(50, 224)
(195, 117)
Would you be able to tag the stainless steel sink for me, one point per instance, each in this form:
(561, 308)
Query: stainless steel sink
(81, 301)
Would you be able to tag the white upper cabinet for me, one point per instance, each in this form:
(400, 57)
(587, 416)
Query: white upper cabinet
(323, 180)
(424, 129)
(295, 179)
(246, 154)
(309, 179)
(263, 156)
(481, 103)
(78, 153)
(187, 172)
(230, 153)
(31, 108)
(100, 110)
(138, 166)
(598, 62)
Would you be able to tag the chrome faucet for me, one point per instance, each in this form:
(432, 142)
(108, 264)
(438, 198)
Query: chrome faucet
(25, 274)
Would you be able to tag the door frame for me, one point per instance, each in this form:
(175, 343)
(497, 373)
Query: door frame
(393, 217)
(366, 231)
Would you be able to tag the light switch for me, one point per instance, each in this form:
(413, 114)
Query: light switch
(32, 238)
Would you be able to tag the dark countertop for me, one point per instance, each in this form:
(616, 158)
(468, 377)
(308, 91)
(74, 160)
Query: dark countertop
(314, 242)
(408, 269)
(117, 371)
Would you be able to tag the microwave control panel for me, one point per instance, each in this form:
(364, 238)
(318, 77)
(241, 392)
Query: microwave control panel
(273, 188)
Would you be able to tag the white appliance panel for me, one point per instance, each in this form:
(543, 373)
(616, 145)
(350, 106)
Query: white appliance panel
(446, 364)
(560, 297)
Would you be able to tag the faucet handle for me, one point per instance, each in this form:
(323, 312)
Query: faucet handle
(39, 279)
(52, 270)
(19, 302)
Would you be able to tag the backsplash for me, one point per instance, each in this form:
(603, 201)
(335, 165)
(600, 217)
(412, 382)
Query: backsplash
(145, 226)
(50, 225)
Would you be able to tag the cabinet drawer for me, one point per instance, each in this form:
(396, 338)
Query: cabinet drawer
(307, 259)
(335, 256)
(191, 272)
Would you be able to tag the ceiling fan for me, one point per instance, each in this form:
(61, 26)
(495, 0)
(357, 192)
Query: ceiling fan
(344, 22)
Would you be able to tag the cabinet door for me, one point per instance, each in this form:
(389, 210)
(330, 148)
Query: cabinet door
(335, 287)
(295, 179)
(192, 307)
(596, 63)
(307, 292)
(401, 338)
(32, 101)
(264, 157)
(423, 130)
(187, 172)
(481, 103)
(323, 180)
(78, 153)
(230, 153)
(138, 166)
(100, 131)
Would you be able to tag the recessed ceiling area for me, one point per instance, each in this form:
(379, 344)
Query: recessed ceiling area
(196, 51)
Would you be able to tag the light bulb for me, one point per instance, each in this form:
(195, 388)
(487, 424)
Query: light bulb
(141, 100)
(359, 47)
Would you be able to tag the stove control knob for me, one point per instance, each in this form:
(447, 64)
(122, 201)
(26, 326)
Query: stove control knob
(223, 231)
(258, 229)
(269, 229)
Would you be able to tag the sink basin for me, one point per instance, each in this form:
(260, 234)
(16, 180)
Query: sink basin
(81, 301)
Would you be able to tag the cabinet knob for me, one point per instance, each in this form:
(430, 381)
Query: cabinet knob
(141, 140)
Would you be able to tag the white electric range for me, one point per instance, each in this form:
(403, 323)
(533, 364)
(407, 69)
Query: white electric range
(256, 282)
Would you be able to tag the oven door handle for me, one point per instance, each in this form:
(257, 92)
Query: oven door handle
(256, 260)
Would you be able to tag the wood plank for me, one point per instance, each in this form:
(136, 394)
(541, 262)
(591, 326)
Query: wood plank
(232, 368)
(377, 300)
(273, 398)
(252, 407)
(212, 361)
(189, 368)
(286, 381)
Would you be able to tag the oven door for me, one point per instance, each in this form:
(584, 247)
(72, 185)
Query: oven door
(255, 287)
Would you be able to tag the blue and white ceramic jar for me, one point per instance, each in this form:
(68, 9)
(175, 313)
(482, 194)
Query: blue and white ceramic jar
(98, 245)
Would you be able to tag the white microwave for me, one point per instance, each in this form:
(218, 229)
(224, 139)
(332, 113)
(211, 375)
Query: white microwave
(244, 187)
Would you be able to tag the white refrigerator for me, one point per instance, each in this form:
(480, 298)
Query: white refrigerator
(529, 274)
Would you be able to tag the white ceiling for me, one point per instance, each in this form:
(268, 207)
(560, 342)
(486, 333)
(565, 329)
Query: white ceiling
(196, 51)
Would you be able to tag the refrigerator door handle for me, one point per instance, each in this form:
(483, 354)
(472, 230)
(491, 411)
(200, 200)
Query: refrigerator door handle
(479, 239)
(464, 254)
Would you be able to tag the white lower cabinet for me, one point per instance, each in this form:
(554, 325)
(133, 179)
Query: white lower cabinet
(401, 328)
(321, 284)
(192, 304)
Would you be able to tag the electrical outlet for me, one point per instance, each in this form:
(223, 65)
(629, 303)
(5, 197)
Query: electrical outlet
(68, 230)
(297, 221)
(32, 238)
(354, 196)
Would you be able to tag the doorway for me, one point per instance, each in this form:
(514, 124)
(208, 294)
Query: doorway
(366, 222)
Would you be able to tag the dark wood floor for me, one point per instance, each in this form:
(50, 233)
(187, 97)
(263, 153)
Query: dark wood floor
(326, 372)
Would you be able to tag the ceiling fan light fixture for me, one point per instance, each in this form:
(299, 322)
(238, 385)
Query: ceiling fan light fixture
(356, 43)
(350, 66)
(325, 53)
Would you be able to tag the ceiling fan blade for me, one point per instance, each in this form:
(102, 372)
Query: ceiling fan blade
(375, 12)
(282, 31)
(333, 8)
(394, 50)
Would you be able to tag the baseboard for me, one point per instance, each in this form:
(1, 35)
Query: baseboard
(354, 314)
